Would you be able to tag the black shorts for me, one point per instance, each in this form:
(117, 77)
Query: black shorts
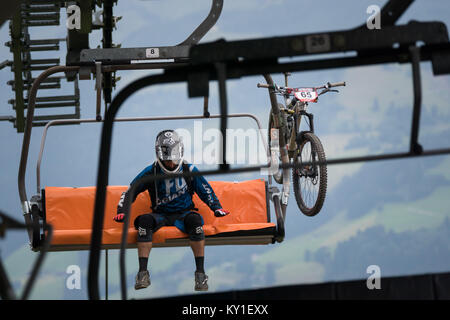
(169, 219)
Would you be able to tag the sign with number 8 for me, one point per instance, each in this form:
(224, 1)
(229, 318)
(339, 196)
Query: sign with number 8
(152, 53)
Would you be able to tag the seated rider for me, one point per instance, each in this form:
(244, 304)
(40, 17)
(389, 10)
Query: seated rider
(172, 205)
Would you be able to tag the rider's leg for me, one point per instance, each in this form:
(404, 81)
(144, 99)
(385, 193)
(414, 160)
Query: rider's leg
(145, 224)
(143, 254)
(198, 248)
(193, 224)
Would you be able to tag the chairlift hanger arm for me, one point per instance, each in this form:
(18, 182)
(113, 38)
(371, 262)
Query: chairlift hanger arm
(359, 40)
(393, 10)
(177, 52)
(206, 25)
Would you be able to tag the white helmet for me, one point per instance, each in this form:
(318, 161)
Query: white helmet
(168, 146)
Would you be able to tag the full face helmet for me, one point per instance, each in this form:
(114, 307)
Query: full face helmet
(168, 146)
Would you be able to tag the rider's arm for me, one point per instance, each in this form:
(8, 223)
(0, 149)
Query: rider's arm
(205, 191)
(141, 188)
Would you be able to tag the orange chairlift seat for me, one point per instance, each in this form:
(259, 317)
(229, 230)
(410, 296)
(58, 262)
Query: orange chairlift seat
(70, 212)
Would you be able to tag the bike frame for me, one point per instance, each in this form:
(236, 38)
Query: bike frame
(296, 137)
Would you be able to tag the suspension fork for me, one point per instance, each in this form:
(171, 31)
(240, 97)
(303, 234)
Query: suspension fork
(301, 135)
(310, 118)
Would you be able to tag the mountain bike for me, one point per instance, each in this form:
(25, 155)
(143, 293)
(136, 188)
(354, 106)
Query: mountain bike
(309, 180)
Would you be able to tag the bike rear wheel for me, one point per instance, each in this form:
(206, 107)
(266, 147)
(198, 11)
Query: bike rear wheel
(310, 181)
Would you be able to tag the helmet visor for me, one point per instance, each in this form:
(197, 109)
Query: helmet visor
(172, 152)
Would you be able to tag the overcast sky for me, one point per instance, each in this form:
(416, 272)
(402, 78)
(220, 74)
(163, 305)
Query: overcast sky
(71, 155)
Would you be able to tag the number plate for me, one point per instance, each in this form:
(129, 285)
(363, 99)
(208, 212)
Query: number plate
(306, 94)
(152, 53)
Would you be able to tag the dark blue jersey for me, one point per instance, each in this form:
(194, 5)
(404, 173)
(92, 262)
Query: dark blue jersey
(172, 194)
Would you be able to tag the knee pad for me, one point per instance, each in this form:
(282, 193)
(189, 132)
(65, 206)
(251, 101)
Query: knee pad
(144, 224)
(193, 223)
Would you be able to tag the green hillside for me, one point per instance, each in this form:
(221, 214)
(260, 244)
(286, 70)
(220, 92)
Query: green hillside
(339, 247)
(291, 259)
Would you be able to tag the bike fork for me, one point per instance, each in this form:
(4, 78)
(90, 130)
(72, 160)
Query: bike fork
(310, 118)
(300, 137)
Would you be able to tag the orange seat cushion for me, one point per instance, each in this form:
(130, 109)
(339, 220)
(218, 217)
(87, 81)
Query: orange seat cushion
(70, 212)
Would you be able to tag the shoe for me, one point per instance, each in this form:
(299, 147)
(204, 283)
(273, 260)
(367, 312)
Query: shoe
(142, 280)
(201, 281)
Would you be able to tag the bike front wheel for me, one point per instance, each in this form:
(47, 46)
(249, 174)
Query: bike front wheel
(310, 180)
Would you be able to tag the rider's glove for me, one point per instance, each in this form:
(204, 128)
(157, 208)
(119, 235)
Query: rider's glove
(119, 217)
(221, 213)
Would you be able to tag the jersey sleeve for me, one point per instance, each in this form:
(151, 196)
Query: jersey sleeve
(204, 190)
(140, 188)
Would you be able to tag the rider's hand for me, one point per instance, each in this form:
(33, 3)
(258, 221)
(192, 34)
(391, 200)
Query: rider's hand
(221, 213)
(119, 217)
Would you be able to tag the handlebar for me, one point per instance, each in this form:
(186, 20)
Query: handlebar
(327, 86)
(337, 84)
(262, 85)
